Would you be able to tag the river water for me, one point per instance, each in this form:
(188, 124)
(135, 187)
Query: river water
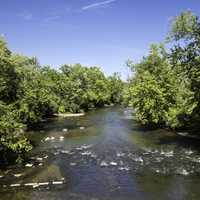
(104, 155)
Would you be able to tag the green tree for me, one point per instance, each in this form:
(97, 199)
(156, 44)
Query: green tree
(116, 87)
(185, 55)
(157, 94)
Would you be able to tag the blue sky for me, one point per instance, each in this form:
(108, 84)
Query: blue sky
(103, 33)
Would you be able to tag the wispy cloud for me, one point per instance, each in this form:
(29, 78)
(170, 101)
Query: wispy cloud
(26, 16)
(57, 13)
(51, 18)
(97, 5)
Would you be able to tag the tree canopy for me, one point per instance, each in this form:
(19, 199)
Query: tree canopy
(165, 87)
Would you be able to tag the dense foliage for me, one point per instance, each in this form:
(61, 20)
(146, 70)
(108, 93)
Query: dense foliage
(165, 86)
(30, 92)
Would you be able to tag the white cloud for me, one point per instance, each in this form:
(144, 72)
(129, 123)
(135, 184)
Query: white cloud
(52, 18)
(97, 5)
(57, 13)
(26, 16)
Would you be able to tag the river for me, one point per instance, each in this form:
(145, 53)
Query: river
(104, 155)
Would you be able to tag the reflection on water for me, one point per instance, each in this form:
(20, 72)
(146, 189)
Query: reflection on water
(104, 155)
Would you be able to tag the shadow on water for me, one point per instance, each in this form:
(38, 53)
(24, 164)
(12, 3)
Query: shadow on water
(185, 142)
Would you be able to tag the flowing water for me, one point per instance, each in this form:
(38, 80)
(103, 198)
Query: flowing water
(104, 155)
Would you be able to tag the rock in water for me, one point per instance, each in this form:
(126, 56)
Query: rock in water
(72, 164)
(113, 163)
(47, 139)
(39, 159)
(103, 164)
(61, 138)
(65, 151)
(15, 185)
(28, 165)
(86, 153)
(17, 175)
(124, 168)
(57, 182)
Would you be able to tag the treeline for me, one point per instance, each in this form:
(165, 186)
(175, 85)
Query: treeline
(30, 92)
(165, 87)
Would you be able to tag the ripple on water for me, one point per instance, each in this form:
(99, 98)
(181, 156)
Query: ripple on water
(86, 153)
(182, 171)
(167, 153)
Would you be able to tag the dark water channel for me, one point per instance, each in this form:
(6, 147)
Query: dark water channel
(105, 155)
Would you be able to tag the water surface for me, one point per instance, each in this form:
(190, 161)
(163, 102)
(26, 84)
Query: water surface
(104, 155)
